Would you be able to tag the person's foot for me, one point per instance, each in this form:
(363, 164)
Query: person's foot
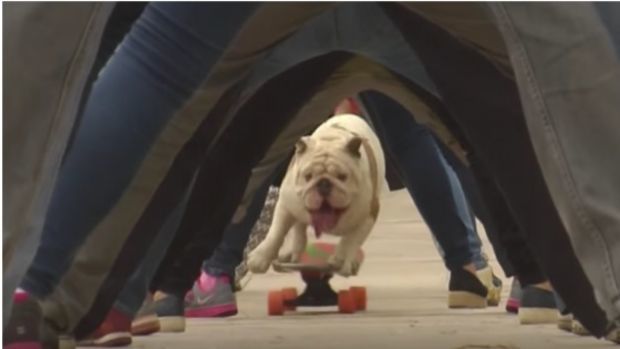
(146, 321)
(22, 330)
(565, 322)
(27, 329)
(493, 285)
(514, 299)
(213, 296)
(170, 312)
(538, 306)
(114, 331)
(578, 329)
(466, 290)
(613, 335)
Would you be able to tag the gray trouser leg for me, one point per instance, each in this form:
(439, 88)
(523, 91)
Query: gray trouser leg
(569, 81)
(49, 49)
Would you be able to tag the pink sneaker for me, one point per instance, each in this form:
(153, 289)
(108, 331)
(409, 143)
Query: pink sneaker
(211, 296)
(514, 300)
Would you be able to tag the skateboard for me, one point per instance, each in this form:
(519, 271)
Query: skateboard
(316, 273)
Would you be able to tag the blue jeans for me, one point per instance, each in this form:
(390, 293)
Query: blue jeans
(432, 183)
(180, 46)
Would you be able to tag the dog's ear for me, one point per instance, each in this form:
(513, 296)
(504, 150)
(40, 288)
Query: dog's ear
(302, 145)
(353, 146)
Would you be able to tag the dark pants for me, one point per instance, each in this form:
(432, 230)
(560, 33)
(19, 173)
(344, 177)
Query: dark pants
(176, 271)
(491, 117)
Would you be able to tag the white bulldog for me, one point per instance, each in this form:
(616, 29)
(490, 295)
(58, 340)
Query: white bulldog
(333, 183)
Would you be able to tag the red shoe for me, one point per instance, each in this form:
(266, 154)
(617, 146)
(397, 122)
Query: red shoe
(114, 331)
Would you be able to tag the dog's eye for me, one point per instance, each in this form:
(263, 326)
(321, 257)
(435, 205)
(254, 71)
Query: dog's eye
(308, 177)
(342, 177)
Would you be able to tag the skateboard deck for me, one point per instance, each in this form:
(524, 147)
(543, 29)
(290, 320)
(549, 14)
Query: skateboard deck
(315, 258)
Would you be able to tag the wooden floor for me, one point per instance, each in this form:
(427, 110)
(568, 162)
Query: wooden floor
(407, 290)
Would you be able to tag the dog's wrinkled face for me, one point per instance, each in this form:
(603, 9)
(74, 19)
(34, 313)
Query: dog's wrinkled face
(328, 177)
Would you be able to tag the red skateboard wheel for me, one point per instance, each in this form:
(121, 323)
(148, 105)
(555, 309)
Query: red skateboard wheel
(346, 302)
(359, 296)
(275, 303)
(289, 294)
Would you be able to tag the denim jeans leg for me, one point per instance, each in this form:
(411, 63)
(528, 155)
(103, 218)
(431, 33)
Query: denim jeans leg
(427, 177)
(132, 126)
(478, 207)
(569, 82)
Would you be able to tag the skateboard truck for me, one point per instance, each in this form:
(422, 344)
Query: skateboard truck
(318, 291)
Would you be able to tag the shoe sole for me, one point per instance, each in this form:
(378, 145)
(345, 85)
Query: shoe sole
(532, 316)
(565, 323)
(115, 339)
(23, 345)
(145, 326)
(494, 295)
(66, 342)
(172, 324)
(614, 336)
(464, 299)
(578, 329)
(224, 310)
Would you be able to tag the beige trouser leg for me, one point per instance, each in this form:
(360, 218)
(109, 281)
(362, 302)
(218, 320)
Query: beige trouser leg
(49, 49)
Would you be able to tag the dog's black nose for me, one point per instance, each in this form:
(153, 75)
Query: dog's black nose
(324, 187)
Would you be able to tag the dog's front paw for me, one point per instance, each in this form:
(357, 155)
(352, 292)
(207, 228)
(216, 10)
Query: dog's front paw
(259, 260)
(344, 266)
(348, 268)
(335, 262)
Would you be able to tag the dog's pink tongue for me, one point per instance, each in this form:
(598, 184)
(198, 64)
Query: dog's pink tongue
(323, 221)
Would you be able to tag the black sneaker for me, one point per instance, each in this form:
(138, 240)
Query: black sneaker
(538, 306)
(466, 290)
(171, 313)
(23, 328)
